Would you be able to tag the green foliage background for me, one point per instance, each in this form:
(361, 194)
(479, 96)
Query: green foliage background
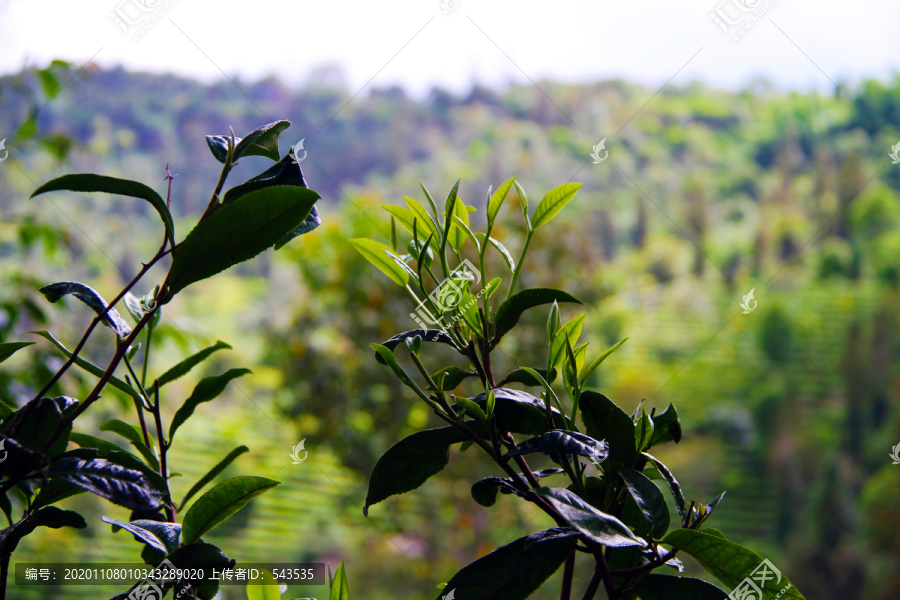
(792, 408)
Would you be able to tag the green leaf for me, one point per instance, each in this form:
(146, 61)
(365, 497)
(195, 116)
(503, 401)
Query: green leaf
(35, 423)
(586, 372)
(206, 558)
(649, 500)
(54, 491)
(49, 516)
(208, 389)
(411, 461)
(218, 504)
(133, 435)
(513, 571)
(88, 441)
(571, 331)
(266, 587)
(185, 366)
(604, 420)
(704, 511)
(340, 588)
(262, 141)
(557, 442)
(90, 367)
(496, 201)
(521, 375)
(643, 432)
(145, 536)
(731, 563)
(421, 215)
(89, 182)
(118, 484)
(666, 427)
(601, 527)
(553, 202)
(221, 466)
(7, 349)
(237, 232)
(167, 533)
(509, 312)
(673, 484)
(89, 296)
(218, 145)
(456, 236)
(510, 262)
(404, 216)
(669, 587)
(380, 255)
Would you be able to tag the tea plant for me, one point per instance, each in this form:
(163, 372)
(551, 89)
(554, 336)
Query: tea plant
(38, 469)
(604, 504)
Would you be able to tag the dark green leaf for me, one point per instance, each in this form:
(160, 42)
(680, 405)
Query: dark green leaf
(520, 412)
(428, 335)
(208, 389)
(586, 372)
(7, 349)
(133, 435)
(185, 366)
(601, 527)
(205, 558)
(262, 141)
(35, 423)
(89, 182)
(452, 376)
(649, 500)
(666, 427)
(89, 296)
(18, 461)
(411, 461)
(218, 145)
(53, 491)
(513, 571)
(49, 516)
(484, 491)
(142, 534)
(213, 473)
(167, 533)
(509, 312)
(702, 512)
(604, 420)
(673, 484)
(670, 587)
(219, 503)
(237, 232)
(557, 443)
(730, 563)
(120, 485)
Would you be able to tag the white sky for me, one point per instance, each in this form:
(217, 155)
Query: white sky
(492, 42)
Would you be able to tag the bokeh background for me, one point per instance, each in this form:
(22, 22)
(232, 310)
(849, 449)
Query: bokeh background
(758, 164)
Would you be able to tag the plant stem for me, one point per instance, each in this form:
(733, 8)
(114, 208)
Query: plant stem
(611, 592)
(515, 279)
(163, 449)
(95, 393)
(149, 337)
(593, 584)
(565, 593)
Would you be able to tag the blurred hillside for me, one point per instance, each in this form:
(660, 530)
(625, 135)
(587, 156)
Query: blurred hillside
(792, 408)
